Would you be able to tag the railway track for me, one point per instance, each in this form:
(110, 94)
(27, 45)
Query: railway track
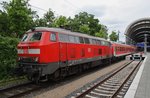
(12, 82)
(19, 90)
(28, 88)
(112, 86)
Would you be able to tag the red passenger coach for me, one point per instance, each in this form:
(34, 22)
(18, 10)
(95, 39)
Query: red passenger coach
(122, 49)
(51, 53)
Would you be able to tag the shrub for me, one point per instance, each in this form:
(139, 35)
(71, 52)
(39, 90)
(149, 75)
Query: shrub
(8, 55)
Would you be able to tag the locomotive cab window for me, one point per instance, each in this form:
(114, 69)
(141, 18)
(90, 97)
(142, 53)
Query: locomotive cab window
(53, 37)
(25, 37)
(36, 36)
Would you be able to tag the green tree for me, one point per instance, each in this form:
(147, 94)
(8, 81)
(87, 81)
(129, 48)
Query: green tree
(85, 21)
(60, 21)
(103, 32)
(49, 18)
(46, 21)
(20, 16)
(8, 55)
(84, 29)
(4, 24)
(113, 36)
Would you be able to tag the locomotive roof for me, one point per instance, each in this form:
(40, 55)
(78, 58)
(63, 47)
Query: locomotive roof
(64, 31)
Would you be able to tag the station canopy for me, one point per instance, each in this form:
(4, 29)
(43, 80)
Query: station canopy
(136, 31)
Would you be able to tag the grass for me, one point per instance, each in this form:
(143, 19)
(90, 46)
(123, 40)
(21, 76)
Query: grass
(12, 81)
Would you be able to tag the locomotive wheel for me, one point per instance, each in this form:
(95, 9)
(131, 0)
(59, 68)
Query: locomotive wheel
(36, 80)
(29, 78)
(56, 75)
(80, 69)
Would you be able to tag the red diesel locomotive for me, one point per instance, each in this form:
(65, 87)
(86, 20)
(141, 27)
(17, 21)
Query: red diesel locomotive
(51, 53)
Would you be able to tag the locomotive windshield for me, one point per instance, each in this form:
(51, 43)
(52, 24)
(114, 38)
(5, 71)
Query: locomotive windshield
(24, 39)
(34, 36)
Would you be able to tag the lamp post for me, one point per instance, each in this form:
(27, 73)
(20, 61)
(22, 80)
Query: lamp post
(127, 39)
(118, 35)
(145, 44)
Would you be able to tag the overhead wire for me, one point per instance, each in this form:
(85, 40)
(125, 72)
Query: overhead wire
(43, 9)
(73, 6)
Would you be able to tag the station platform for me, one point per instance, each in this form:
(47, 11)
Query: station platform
(140, 87)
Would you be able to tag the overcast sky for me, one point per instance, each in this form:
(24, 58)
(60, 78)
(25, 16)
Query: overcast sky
(115, 14)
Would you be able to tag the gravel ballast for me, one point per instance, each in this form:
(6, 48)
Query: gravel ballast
(65, 88)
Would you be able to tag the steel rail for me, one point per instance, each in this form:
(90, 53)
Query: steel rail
(101, 82)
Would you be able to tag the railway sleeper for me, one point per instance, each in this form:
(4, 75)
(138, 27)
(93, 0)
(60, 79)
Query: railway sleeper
(89, 96)
(112, 83)
(100, 95)
(104, 88)
(103, 91)
(109, 86)
(119, 96)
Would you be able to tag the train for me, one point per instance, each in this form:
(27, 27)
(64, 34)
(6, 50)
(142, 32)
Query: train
(53, 53)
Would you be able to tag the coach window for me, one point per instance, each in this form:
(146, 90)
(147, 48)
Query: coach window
(86, 40)
(81, 39)
(117, 48)
(53, 37)
(72, 39)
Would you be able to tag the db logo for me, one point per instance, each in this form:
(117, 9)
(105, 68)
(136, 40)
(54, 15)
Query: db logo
(25, 51)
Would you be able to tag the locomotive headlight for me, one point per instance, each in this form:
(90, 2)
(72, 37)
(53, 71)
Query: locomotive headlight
(20, 51)
(35, 59)
(19, 58)
(34, 51)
